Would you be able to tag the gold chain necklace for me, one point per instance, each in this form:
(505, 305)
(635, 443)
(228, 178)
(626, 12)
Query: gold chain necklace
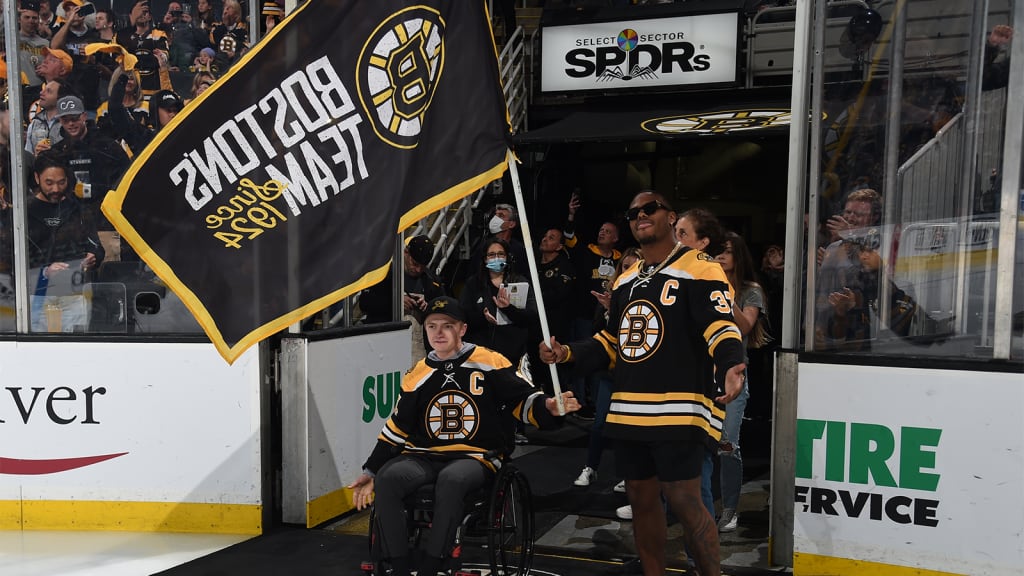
(644, 276)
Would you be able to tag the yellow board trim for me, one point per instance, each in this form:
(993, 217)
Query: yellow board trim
(188, 517)
(814, 565)
(328, 506)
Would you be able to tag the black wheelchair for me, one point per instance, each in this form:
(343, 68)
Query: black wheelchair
(498, 517)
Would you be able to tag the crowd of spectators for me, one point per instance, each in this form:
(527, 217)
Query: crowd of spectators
(146, 54)
(96, 86)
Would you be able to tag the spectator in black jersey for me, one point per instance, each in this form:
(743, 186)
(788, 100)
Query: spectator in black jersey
(595, 265)
(96, 161)
(124, 116)
(557, 278)
(673, 344)
(412, 452)
(63, 247)
(603, 393)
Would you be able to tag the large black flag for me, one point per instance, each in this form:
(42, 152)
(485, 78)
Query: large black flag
(280, 191)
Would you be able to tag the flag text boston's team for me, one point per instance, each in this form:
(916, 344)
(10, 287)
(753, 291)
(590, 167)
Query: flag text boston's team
(313, 100)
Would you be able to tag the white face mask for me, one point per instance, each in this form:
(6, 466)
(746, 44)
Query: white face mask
(495, 224)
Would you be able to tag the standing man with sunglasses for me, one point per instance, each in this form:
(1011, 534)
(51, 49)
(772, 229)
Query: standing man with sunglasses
(673, 344)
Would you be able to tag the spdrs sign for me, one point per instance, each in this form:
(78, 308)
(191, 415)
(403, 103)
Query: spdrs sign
(686, 50)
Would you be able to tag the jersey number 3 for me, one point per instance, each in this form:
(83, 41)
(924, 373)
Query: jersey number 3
(722, 301)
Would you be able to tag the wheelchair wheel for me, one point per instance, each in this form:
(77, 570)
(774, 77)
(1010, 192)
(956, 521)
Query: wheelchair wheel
(510, 531)
(378, 565)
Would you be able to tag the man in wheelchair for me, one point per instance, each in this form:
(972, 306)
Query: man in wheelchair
(454, 413)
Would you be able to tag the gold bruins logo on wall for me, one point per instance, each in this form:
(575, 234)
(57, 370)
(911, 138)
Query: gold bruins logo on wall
(399, 69)
(640, 331)
(718, 122)
(452, 416)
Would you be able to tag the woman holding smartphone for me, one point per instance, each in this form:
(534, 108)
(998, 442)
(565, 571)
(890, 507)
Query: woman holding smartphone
(494, 322)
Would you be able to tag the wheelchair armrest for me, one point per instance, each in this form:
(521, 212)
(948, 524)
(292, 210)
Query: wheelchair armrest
(496, 458)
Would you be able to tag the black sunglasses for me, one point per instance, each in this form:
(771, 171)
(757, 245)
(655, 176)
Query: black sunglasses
(648, 209)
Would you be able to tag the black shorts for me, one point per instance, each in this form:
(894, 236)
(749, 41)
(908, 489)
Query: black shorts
(669, 461)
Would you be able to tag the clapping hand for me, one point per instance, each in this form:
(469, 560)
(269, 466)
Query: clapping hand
(842, 302)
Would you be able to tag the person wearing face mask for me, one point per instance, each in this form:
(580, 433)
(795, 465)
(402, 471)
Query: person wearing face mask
(501, 225)
(493, 321)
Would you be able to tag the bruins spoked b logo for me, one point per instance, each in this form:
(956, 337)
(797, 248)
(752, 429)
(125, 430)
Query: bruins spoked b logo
(640, 331)
(452, 416)
(399, 68)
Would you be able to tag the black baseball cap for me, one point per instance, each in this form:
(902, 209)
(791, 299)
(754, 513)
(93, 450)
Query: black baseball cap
(421, 248)
(448, 306)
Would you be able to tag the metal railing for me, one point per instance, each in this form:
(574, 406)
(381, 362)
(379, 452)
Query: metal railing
(770, 35)
(928, 183)
(449, 229)
(512, 63)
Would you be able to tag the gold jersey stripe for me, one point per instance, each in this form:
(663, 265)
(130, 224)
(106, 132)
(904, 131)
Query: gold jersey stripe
(656, 421)
(486, 359)
(725, 331)
(662, 397)
(450, 448)
(609, 344)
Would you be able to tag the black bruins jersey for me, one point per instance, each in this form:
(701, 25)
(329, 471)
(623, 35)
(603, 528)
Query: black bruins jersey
(668, 333)
(460, 407)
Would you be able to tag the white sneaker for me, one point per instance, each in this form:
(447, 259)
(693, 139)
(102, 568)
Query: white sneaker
(620, 487)
(587, 476)
(728, 521)
(624, 512)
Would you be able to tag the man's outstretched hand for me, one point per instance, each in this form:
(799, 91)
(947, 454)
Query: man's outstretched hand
(733, 384)
(362, 491)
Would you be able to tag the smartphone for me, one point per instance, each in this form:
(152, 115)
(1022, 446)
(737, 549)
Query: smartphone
(87, 9)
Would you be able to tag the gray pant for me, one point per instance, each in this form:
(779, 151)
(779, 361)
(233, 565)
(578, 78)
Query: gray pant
(402, 476)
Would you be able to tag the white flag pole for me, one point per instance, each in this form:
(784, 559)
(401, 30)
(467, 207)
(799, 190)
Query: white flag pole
(534, 276)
